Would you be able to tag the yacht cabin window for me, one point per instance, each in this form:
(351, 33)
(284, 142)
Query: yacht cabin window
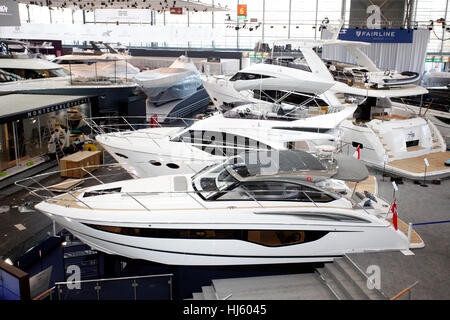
(270, 238)
(248, 76)
(220, 143)
(6, 76)
(274, 191)
(27, 74)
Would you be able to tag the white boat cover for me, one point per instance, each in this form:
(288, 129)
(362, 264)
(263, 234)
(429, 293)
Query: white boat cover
(180, 80)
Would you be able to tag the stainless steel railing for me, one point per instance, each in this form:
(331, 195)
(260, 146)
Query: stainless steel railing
(76, 287)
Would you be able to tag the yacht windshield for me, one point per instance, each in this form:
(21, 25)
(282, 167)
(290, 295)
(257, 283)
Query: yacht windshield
(214, 179)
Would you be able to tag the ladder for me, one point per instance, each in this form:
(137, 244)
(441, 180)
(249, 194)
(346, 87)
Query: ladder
(59, 151)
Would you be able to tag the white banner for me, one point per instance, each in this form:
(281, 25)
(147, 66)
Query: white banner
(114, 15)
(111, 33)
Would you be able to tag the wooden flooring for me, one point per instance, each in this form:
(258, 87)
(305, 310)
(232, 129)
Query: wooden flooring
(66, 185)
(416, 240)
(370, 184)
(68, 200)
(417, 164)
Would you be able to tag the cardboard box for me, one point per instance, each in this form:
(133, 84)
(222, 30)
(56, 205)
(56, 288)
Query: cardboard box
(79, 160)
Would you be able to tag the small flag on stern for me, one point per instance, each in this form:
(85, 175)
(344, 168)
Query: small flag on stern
(394, 214)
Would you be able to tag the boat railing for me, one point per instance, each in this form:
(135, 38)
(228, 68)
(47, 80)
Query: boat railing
(102, 125)
(67, 192)
(131, 288)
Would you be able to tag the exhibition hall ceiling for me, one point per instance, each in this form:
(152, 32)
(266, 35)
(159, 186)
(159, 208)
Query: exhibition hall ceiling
(174, 7)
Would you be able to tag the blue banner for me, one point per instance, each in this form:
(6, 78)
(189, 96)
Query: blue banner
(377, 35)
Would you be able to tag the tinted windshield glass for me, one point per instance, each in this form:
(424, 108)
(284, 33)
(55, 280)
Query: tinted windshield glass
(212, 180)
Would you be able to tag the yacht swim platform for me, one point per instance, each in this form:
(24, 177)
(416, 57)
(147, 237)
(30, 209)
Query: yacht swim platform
(415, 240)
(416, 165)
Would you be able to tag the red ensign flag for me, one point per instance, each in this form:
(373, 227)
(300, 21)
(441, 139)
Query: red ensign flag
(394, 214)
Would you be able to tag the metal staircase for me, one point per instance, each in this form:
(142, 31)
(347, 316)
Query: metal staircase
(340, 280)
(347, 282)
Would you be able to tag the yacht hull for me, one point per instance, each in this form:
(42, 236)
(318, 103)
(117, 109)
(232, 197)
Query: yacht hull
(202, 252)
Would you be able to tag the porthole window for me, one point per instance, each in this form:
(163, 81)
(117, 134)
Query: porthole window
(155, 163)
(172, 166)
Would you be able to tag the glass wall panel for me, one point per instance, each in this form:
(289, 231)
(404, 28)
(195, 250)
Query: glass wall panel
(27, 138)
(7, 150)
(302, 20)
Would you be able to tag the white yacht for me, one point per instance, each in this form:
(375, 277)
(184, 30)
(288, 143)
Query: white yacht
(178, 81)
(175, 91)
(232, 213)
(25, 74)
(23, 69)
(167, 150)
(107, 66)
(390, 135)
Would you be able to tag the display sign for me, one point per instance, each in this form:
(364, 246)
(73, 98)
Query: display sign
(377, 35)
(434, 59)
(176, 10)
(9, 13)
(56, 107)
(375, 14)
(242, 11)
(122, 15)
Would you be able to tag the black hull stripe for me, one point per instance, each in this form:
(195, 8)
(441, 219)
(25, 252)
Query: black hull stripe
(208, 255)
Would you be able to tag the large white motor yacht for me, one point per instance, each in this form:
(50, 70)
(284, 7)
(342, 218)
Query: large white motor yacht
(168, 150)
(232, 213)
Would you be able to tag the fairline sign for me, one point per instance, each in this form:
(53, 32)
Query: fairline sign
(377, 35)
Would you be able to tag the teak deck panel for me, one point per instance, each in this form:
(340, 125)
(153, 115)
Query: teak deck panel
(417, 164)
(403, 227)
(366, 185)
(66, 185)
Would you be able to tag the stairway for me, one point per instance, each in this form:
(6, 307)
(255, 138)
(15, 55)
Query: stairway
(387, 150)
(347, 282)
(340, 280)
(435, 139)
(307, 286)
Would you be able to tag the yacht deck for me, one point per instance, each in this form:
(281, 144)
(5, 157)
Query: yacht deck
(415, 241)
(417, 164)
(370, 185)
